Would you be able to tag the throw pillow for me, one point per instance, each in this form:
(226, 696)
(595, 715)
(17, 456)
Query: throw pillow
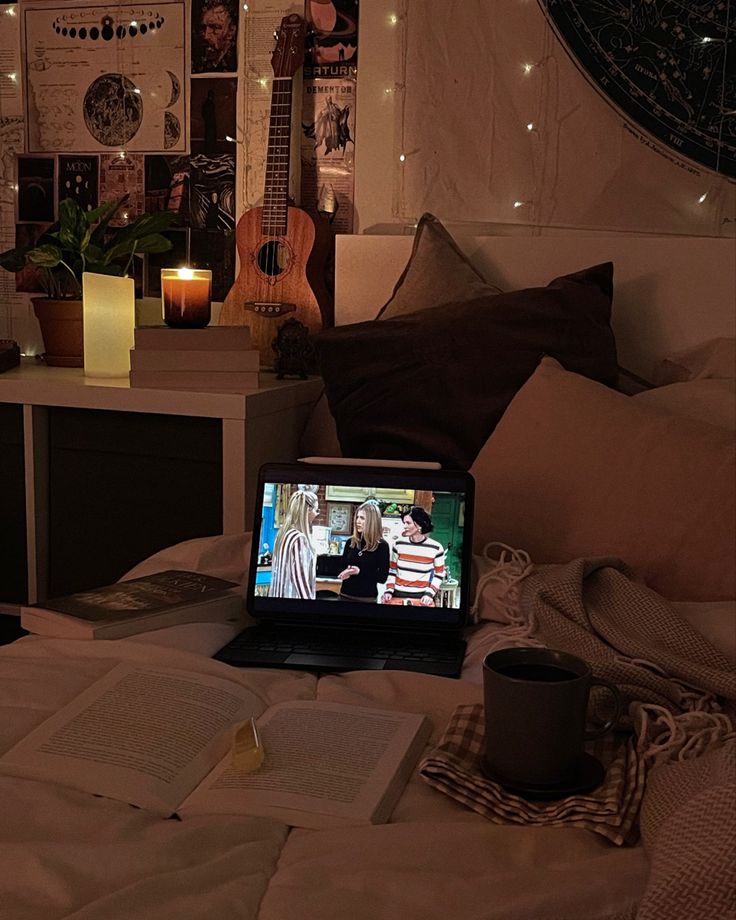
(575, 469)
(432, 385)
(437, 272)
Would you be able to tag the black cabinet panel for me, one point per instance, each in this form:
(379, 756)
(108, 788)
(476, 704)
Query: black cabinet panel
(124, 485)
(13, 562)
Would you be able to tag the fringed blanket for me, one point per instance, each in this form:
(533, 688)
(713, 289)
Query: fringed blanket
(681, 698)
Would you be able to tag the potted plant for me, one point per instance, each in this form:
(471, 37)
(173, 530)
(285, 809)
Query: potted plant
(82, 241)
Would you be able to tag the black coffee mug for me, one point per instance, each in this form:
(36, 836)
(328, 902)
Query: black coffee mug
(536, 701)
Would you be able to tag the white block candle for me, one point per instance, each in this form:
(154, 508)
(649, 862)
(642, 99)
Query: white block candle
(109, 320)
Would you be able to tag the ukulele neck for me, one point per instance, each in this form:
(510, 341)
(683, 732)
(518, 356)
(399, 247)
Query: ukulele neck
(276, 194)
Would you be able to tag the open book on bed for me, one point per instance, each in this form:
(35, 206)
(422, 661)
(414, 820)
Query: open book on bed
(162, 739)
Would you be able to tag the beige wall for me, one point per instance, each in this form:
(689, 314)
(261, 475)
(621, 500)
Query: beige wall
(458, 107)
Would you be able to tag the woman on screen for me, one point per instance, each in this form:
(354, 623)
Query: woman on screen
(366, 556)
(294, 558)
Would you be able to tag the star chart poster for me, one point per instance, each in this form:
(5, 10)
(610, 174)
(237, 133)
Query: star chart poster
(105, 77)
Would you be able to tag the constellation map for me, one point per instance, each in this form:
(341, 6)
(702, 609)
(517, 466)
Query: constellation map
(669, 65)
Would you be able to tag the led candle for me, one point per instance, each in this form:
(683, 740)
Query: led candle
(186, 296)
(108, 310)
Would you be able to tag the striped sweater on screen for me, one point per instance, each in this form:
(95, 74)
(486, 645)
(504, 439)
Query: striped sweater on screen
(294, 567)
(416, 569)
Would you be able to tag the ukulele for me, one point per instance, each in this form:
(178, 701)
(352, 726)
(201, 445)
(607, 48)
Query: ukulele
(275, 242)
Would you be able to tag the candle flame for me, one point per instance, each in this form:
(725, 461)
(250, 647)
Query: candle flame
(186, 274)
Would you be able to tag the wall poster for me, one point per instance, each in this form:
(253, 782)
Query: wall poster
(105, 77)
(328, 110)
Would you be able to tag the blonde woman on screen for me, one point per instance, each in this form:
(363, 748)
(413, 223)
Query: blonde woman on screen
(294, 558)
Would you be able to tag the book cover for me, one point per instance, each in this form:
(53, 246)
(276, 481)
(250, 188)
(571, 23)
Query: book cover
(220, 337)
(195, 380)
(139, 605)
(195, 359)
(325, 764)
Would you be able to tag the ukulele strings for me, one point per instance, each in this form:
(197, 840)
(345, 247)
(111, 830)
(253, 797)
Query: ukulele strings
(277, 172)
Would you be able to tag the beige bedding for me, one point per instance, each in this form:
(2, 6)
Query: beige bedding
(79, 857)
(74, 856)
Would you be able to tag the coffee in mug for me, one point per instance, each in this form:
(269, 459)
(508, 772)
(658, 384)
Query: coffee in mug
(536, 702)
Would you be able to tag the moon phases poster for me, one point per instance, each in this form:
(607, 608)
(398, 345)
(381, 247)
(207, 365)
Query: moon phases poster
(105, 78)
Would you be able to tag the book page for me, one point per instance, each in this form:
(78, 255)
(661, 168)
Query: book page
(142, 735)
(325, 764)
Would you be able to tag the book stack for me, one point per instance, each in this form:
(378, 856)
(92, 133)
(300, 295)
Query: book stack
(127, 608)
(213, 358)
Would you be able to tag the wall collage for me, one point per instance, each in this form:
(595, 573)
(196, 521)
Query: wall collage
(148, 100)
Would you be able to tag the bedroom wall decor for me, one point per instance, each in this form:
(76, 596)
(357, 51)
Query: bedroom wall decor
(477, 113)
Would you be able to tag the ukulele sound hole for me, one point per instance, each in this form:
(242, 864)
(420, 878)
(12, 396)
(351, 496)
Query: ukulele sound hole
(273, 258)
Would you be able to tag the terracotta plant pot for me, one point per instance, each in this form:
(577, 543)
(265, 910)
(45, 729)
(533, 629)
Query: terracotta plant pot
(62, 331)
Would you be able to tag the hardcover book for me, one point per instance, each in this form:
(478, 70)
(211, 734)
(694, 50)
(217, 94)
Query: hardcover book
(220, 337)
(195, 380)
(139, 605)
(325, 764)
(194, 359)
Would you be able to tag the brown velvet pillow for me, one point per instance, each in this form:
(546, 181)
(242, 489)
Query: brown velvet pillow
(432, 385)
(436, 273)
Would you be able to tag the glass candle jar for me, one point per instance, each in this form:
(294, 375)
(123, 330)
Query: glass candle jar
(186, 297)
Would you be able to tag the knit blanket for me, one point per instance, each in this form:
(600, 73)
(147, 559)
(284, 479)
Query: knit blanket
(680, 695)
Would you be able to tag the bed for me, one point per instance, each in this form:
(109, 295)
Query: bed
(611, 512)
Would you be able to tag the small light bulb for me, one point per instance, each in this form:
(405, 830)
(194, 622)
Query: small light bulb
(530, 126)
(122, 154)
(13, 77)
(263, 81)
(230, 139)
(10, 11)
(125, 215)
(518, 204)
(137, 91)
(388, 91)
(134, 23)
(702, 198)
(393, 19)
(402, 157)
(528, 68)
(185, 274)
(707, 39)
(246, 7)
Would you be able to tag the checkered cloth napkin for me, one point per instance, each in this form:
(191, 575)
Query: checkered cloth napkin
(453, 767)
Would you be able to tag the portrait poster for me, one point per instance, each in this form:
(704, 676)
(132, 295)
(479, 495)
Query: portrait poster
(328, 149)
(122, 175)
(213, 115)
(99, 78)
(36, 204)
(212, 191)
(78, 179)
(215, 36)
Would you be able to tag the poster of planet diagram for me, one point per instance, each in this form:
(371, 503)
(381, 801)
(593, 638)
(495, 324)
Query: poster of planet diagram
(105, 78)
(669, 65)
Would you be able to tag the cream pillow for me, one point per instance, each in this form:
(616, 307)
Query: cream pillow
(715, 358)
(709, 399)
(575, 469)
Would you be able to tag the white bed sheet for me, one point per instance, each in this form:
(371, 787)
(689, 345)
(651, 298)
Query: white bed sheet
(75, 856)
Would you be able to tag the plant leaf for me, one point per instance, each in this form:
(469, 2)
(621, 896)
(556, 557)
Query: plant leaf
(47, 255)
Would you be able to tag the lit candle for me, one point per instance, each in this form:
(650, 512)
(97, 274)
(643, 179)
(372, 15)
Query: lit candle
(186, 296)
